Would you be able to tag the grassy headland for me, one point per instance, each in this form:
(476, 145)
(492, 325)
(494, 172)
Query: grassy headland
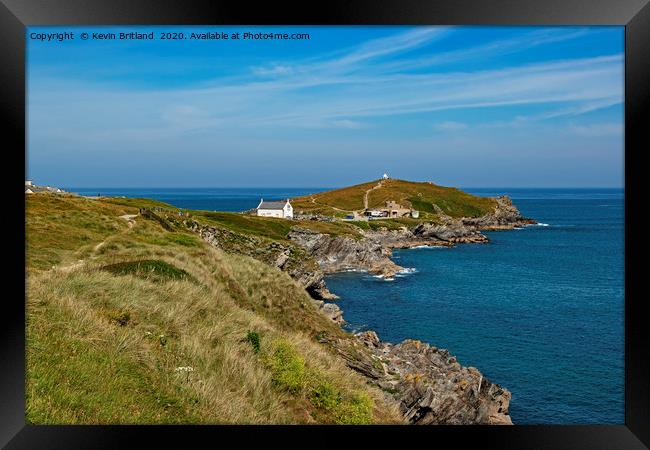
(139, 324)
(422, 196)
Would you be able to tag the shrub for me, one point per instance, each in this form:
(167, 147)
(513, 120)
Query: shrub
(287, 367)
(325, 396)
(253, 338)
(356, 410)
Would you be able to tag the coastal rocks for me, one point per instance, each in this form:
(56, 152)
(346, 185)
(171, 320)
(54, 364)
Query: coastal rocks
(452, 232)
(344, 253)
(286, 257)
(330, 310)
(506, 216)
(402, 238)
(430, 386)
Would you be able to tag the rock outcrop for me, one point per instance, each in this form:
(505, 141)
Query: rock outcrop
(506, 216)
(429, 385)
(289, 258)
(343, 253)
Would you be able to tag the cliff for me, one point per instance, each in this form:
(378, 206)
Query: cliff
(430, 386)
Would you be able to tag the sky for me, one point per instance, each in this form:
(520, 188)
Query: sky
(460, 106)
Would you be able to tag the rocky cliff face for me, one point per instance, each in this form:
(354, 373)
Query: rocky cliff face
(428, 384)
(506, 216)
(289, 258)
(342, 253)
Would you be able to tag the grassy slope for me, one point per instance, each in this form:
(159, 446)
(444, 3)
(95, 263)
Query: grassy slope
(109, 346)
(420, 196)
(269, 227)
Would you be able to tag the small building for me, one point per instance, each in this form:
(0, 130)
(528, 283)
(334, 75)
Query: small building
(28, 183)
(394, 209)
(385, 177)
(275, 209)
(28, 191)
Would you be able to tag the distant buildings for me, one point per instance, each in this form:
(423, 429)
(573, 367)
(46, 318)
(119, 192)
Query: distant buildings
(275, 209)
(392, 209)
(31, 188)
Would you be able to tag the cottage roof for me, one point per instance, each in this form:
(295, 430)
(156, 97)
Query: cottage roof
(271, 205)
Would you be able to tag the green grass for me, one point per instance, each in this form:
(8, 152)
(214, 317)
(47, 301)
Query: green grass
(268, 227)
(110, 339)
(150, 268)
(59, 226)
(417, 195)
(79, 374)
(331, 401)
(138, 203)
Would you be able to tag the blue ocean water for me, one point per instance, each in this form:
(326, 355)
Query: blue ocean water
(538, 310)
(211, 199)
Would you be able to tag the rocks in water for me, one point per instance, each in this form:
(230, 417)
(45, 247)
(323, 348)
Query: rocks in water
(430, 386)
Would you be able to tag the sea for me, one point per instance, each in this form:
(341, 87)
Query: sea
(538, 310)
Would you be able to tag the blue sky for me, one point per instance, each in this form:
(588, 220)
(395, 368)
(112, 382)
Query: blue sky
(459, 106)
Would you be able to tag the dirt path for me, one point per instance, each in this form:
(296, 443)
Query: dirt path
(365, 196)
(130, 219)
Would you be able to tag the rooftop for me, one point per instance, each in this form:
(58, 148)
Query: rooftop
(272, 205)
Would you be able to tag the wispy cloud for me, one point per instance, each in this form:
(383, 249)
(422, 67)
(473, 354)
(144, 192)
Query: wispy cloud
(598, 129)
(450, 126)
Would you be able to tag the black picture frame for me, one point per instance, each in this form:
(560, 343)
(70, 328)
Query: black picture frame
(16, 15)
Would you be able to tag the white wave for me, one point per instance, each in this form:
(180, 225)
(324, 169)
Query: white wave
(428, 246)
(540, 224)
(383, 277)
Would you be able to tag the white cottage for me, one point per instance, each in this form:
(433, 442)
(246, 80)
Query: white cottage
(275, 209)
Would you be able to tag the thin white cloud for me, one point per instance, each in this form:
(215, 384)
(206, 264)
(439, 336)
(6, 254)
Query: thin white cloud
(598, 129)
(450, 126)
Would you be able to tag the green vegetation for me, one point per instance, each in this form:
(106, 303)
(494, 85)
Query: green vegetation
(137, 324)
(268, 227)
(253, 337)
(59, 226)
(416, 195)
(331, 401)
(287, 367)
(150, 268)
